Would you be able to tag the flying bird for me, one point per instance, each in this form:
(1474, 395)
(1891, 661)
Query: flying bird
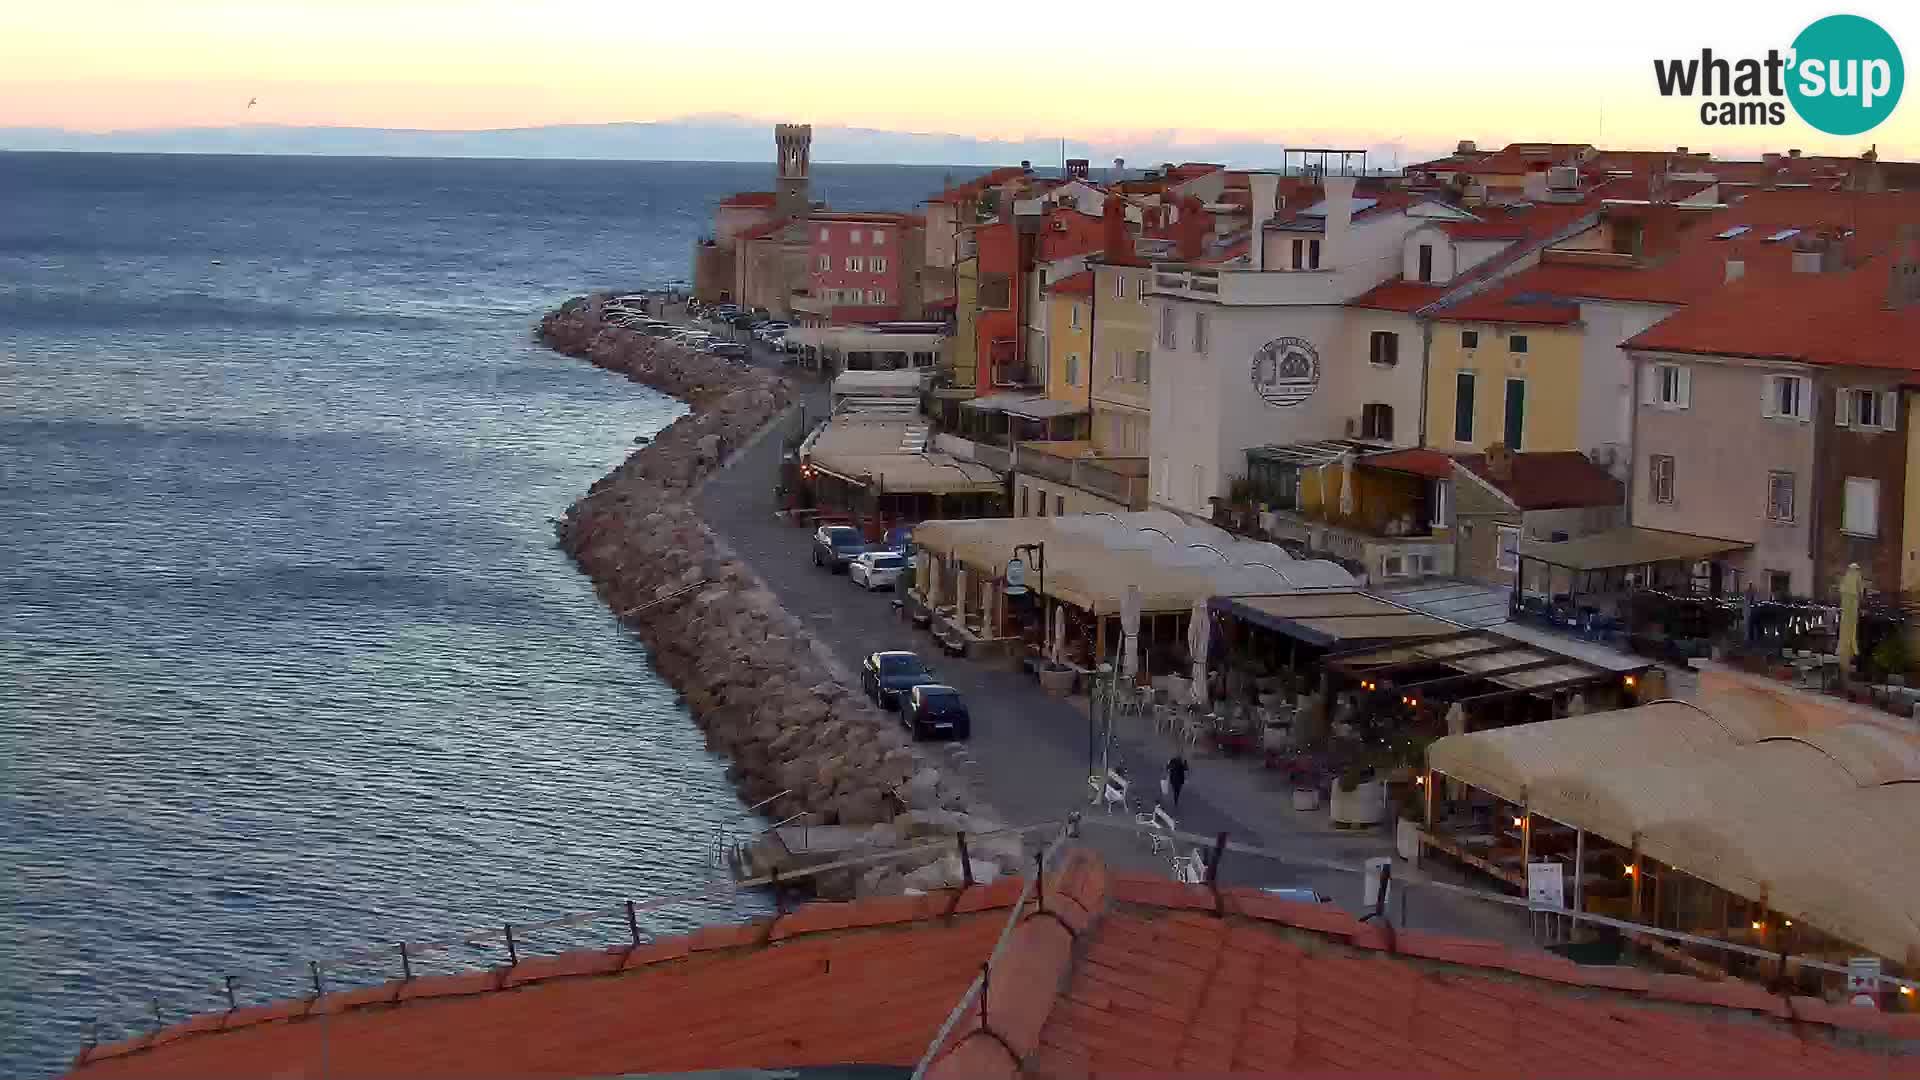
(251, 102)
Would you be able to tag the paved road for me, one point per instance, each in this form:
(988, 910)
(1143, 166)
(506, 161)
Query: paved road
(1028, 754)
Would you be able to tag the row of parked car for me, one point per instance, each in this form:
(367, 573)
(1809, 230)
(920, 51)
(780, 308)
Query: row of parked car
(631, 312)
(765, 329)
(894, 679)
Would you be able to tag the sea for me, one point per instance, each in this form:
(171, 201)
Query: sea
(291, 670)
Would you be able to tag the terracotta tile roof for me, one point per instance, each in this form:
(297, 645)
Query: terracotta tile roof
(1080, 284)
(1398, 294)
(1839, 317)
(1117, 973)
(1420, 462)
(1511, 303)
(1550, 480)
(750, 198)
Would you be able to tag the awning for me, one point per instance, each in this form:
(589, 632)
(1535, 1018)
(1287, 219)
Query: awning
(1514, 665)
(1046, 409)
(1327, 619)
(1629, 546)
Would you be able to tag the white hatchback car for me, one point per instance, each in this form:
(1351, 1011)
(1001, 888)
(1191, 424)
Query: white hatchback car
(877, 570)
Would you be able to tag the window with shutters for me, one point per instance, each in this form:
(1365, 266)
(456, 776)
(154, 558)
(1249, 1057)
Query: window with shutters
(1463, 407)
(1313, 254)
(1199, 331)
(1517, 343)
(1376, 422)
(1669, 386)
(1384, 348)
(826, 262)
(1076, 316)
(1779, 496)
(877, 264)
(1862, 515)
(1660, 477)
(1426, 262)
(1788, 397)
(1169, 328)
(1516, 414)
(1142, 366)
(1469, 339)
(1868, 410)
(1073, 369)
(1299, 254)
(855, 263)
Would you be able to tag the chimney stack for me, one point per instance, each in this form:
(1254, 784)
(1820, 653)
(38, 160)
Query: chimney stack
(1793, 153)
(1465, 146)
(1265, 189)
(1338, 200)
(1737, 269)
(1681, 150)
(1192, 228)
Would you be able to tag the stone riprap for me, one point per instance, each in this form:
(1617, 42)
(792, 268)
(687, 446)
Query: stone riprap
(768, 696)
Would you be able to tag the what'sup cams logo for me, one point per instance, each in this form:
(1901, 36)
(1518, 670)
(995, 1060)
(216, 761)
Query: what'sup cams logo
(1842, 76)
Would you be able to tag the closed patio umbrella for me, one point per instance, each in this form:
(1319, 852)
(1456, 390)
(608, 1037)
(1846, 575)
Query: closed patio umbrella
(1059, 653)
(1199, 638)
(1349, 498)
(1130, 633)
(1849, 645)
(960, 597)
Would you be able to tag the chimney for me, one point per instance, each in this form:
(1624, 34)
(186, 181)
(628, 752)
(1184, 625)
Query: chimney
(1338, 201)
(1770, 159)
(1737, 269)
(1119, 169)
(1116, 239)
(1500, 465)
(1903, 277)
(1793, 153)
(1534, 187)
(1026, 166)
(1465, 146)
(1265, 188)
(1681, 150)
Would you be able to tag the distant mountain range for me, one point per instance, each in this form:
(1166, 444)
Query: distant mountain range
(691, 139)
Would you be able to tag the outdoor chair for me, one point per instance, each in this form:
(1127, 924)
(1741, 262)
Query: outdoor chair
(1114, 793)
(1190, 869)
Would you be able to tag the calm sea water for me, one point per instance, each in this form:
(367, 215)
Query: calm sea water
(289, 665)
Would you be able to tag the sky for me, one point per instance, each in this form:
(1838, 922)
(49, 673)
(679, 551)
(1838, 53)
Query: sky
(1386, 73)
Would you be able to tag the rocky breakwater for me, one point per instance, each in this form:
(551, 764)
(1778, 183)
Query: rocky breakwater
(769, 697)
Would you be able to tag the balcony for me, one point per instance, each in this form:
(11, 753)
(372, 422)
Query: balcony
(1122, 480)
(1263, 287)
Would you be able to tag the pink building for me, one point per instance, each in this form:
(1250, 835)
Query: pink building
(865, 260)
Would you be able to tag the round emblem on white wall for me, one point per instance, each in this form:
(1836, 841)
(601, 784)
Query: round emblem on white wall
(1286, 371)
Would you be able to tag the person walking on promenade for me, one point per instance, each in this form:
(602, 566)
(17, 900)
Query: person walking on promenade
(1176, 777)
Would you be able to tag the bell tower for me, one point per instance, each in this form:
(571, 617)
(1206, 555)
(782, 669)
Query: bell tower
(793, 149)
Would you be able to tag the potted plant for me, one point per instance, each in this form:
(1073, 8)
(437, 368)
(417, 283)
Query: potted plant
(1359, 797)
(1411, 818)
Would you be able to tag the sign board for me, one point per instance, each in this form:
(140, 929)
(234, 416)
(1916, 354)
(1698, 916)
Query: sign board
(1547, 884)
(1016, 577)
(1286, 371)
(1863, 980)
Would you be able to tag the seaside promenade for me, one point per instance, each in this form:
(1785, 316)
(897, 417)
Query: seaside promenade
(1028, 751)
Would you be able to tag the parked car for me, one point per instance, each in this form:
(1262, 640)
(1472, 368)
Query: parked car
(834, 546)
(887, 675)
(877, 570)
(935, 709)
(900, 539)
(731, 350)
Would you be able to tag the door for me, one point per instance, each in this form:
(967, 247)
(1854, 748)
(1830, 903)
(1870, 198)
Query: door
(1516, 413)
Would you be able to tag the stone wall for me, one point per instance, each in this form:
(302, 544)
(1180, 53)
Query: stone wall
(767, 694)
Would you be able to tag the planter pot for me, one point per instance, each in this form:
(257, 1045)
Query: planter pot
(1406, 839)
(1057, 681)
(1306, 798)
(1366, 804)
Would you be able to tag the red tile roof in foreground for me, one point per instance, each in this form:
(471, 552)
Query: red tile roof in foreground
(1550, 480)
(1838, 317)
(1419, 461)
(1118, 974)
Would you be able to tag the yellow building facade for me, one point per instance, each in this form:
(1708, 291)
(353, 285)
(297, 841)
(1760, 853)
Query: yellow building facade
(961, 349)
(1122, 350)
(1503, 382)
(1069, 332)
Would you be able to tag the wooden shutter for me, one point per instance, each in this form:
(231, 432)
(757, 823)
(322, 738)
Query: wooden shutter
(1890, 410)
(1767, 398)
(1650, 384)
(1685, 386)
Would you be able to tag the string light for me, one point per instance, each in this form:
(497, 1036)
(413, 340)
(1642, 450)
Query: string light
(1907, 990)
(1630, 871)
(1757, 924)
(1519, 822)
(1631, 681)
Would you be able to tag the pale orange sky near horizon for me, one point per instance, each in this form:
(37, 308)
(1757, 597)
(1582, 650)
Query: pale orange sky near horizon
(1391, 73)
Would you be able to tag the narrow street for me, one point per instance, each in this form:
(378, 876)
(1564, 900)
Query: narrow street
(1029, 752)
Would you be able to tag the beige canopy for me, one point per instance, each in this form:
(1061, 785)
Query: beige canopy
(1813, 814)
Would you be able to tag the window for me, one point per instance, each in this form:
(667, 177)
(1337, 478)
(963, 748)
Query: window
(1779, 496)
(1862, 516)
(826, 235)
(1787, 397)
(1469, 339)
(826, 263)
(876, 296)
(1779, 584)
(1463, 407)
(1073, 369)
(1143, 366)
(1516, 413)
(1426, 262)
(877, 264)
(1313, 254)
(1384, 349)
(878, 237)
(1507, 557)
(853, 235)
(1059, 504)
(1516, 343)
(1871, 410)
(1141, 281)
(1299, 254)
(1376, 422)
(1076, 316)
(1199, 331)
(1025, 509)
(855, 263)
(1439, 503)
(1669, 386)
(1043, 505)
(1169, 328)
(1660, 477)
(1119, 286)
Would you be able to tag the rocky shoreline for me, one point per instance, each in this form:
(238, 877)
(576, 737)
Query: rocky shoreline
(768, 696)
